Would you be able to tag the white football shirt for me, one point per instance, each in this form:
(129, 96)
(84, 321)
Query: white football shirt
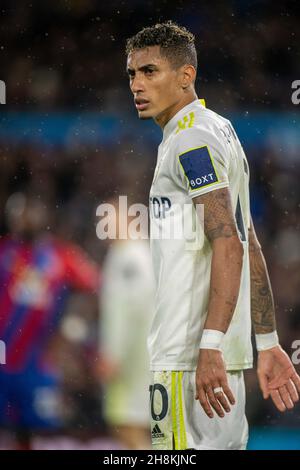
(200, 152)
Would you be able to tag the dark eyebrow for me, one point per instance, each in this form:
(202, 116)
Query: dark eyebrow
(148, 66)
(144, 68)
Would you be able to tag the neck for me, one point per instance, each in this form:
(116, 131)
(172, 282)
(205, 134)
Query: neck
(187, 98)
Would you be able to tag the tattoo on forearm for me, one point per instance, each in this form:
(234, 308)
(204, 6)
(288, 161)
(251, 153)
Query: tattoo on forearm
(227, 259)
(262, 304)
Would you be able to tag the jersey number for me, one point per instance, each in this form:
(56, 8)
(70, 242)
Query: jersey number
(164, 400)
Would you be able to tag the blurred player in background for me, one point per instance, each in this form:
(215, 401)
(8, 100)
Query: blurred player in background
(37, 272)
(200, 339)
(127, 302)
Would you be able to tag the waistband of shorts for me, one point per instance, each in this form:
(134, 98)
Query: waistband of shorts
(189, 367)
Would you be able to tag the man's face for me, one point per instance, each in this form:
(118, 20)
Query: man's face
(26, 218)
(154, 83)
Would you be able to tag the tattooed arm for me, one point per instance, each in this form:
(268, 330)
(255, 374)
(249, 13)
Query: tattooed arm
(227, 257)
(262, 304)
(276, 374)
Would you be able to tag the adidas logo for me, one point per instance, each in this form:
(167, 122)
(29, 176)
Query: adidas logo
(156, 432)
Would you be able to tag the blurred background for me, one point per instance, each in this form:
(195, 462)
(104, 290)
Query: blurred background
(70, 140)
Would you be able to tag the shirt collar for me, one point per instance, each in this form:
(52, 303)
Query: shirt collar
(173, 123)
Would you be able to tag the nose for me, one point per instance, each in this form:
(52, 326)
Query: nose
(137, 84)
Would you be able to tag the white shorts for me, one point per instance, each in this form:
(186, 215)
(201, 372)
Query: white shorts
(179, 422)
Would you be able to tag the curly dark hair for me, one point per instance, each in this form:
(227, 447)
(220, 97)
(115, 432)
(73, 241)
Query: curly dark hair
(176, 43)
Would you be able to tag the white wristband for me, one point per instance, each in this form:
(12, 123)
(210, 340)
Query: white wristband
(266, 341)
(211, 339)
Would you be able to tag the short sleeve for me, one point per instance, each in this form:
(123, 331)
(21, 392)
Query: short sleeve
(202, 161)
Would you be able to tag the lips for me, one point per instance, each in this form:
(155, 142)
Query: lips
(141, 104)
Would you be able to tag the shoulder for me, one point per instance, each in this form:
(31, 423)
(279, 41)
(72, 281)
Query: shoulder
(205, 131)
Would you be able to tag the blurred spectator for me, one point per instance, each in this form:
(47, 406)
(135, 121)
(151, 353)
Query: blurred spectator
(71, 54)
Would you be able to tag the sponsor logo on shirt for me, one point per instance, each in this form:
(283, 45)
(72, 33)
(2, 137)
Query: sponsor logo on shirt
(156, 432)
(160, 206)
(198, 167)
(202, 180)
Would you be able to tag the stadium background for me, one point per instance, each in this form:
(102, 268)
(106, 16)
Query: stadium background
(69, 134)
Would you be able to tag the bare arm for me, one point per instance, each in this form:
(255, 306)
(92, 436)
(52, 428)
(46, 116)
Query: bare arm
(276, 374)
(262, 303)
(227, 257)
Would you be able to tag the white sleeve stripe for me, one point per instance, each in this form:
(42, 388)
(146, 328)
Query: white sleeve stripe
(208, 189)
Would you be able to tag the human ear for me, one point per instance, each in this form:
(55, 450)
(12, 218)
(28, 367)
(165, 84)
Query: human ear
(188, 76)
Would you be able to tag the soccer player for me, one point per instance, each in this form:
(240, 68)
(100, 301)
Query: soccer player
(127, 303)
(37, 272)
(200, 340)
